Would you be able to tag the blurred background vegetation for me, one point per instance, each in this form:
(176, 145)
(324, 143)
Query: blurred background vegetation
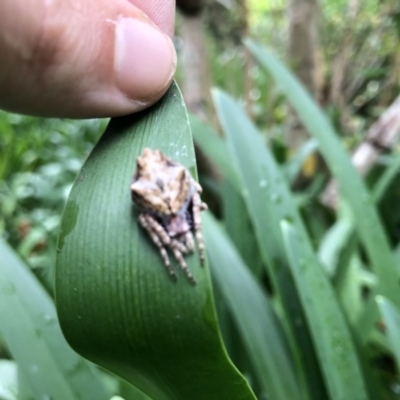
(346, 53)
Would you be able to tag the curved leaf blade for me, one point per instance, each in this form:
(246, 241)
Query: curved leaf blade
(214, 146)
(386, 179)
(351, 185)
(268, 201)
(331, 335)
(253, 315)
(116, 303)
(391, 318)
(28, 324)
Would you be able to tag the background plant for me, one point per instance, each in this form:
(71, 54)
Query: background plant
(305, 296)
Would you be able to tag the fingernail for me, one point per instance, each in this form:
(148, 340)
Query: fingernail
(145, 59)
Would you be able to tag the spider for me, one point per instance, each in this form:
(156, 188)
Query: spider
(169, 204)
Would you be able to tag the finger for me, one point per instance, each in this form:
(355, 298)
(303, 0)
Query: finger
(86, 58)
(160, 11)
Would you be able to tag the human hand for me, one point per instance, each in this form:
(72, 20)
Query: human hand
(85, 58)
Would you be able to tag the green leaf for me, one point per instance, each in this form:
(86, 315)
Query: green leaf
(269, 201)
(236, 219)
(240, 228)
(255, 319)
(391, 319)
(335, 241)
(28, 324)
(351, 186)
(117, 305)
(331, 335)
(214, 146)
(129, 392)
(386, 179)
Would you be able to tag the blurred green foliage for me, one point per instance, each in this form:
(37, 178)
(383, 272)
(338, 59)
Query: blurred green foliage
(40, 158)
(371, 78)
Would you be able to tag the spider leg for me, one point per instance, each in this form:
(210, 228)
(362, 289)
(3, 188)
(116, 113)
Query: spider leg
(198, 187)
(189, 242)
(181, 261)
(199, 190)
(180, 246)
(159, 238)
(198, 206)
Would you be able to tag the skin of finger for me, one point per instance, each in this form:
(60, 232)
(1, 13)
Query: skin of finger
(60, 56)
(162, 12)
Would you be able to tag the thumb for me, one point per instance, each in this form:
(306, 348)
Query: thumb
(81, 59)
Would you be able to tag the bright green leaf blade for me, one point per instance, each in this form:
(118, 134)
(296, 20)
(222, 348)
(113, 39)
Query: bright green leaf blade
(268, 201)
(24, 390)
(28, 323)
(391, 318)
(235, 215)
(335, 242)
(386, 179)
(253, 314)
(214, 146)
(330, 333)
(117, 305)
(240, 228)
(351, 185)
(264, 189)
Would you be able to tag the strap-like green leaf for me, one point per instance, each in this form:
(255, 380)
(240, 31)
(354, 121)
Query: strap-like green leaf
(28, 324)
(332, 338)
(391, 319)
(117, 305)
(351, 185)
(254, 316)
(270, 202)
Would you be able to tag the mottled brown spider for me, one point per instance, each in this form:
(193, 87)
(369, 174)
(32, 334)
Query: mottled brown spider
(169, 204)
